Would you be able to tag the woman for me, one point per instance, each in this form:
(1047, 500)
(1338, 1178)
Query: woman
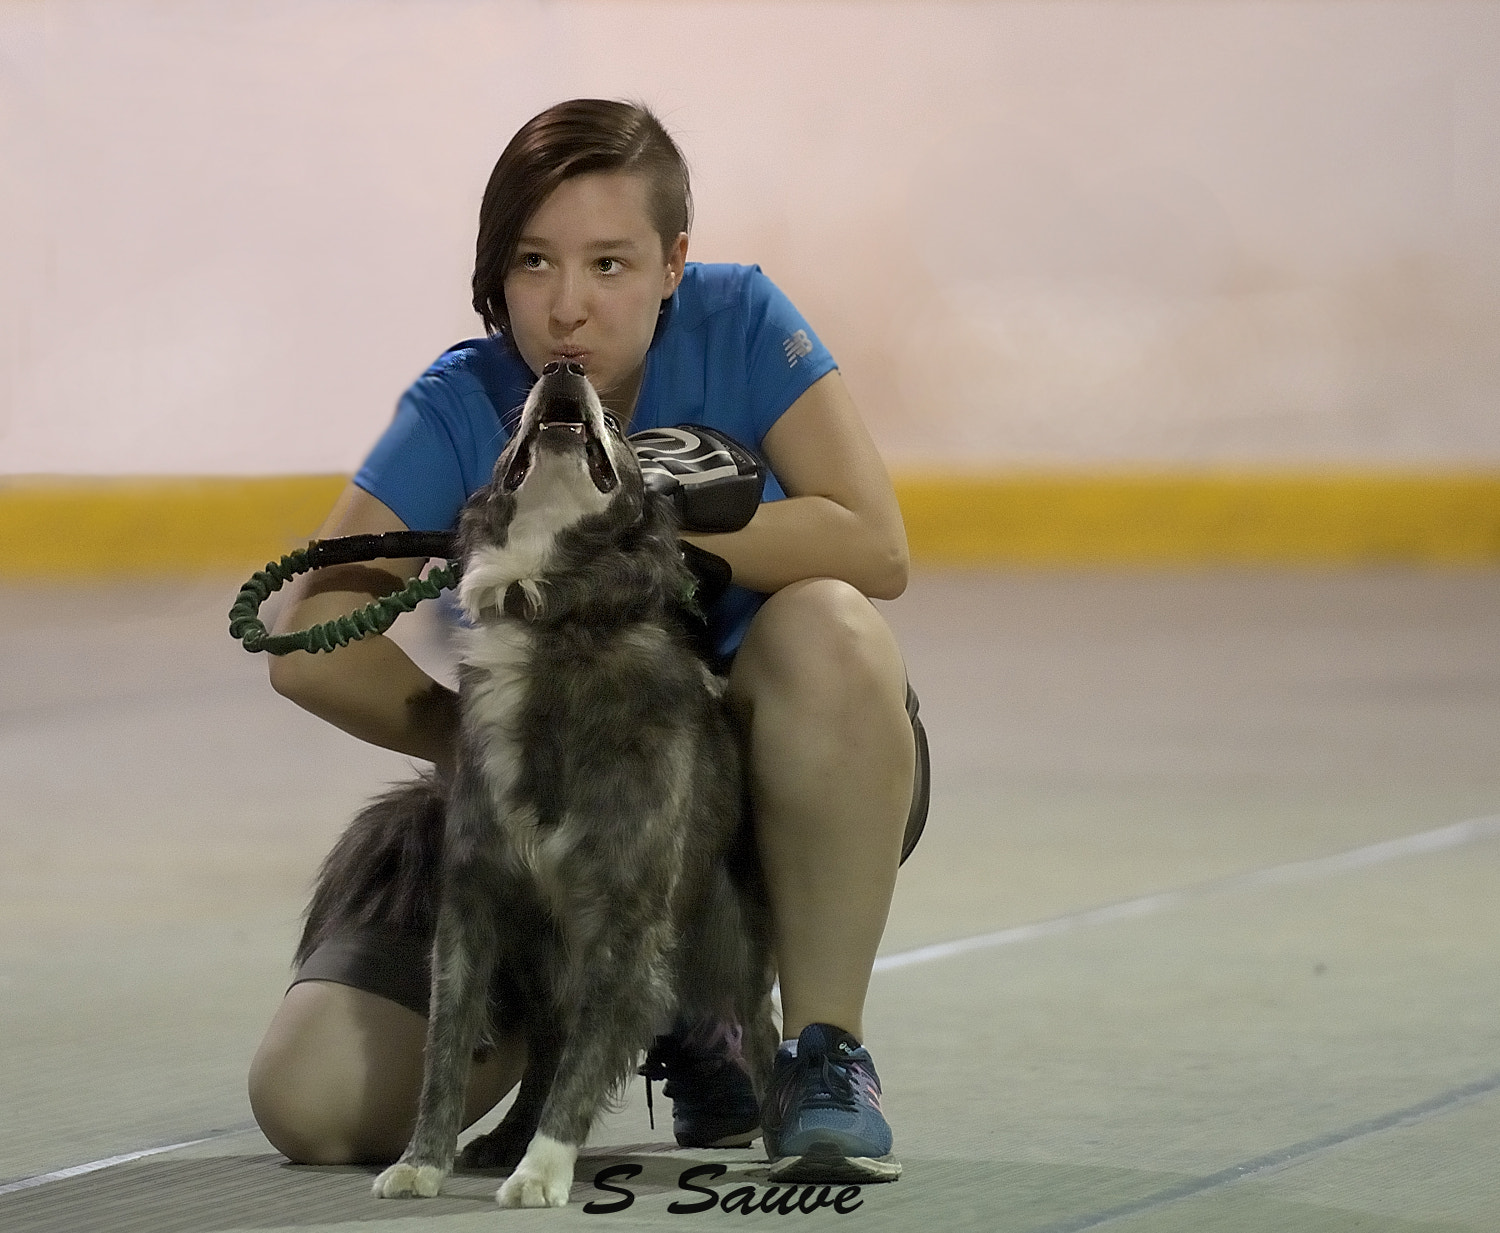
(582, 256)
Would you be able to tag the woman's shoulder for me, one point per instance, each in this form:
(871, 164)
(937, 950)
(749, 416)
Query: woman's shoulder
(478, 365)
(738, 306)
(709, 289)
(480, 375)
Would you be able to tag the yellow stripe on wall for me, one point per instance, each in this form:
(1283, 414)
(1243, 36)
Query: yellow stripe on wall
(102, 527)
(53, 527)
(1205, 518)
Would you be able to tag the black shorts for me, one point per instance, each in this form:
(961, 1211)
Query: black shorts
(396, 966)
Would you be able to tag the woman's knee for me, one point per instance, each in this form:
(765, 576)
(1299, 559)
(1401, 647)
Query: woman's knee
(336, 1078)
(298, 1118)
(821, 637)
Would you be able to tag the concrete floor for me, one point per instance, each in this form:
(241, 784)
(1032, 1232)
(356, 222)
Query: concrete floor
(1315, 1049)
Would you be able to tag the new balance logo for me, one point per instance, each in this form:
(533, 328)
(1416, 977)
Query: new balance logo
(798, 345)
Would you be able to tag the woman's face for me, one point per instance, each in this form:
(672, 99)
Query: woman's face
(588, 280)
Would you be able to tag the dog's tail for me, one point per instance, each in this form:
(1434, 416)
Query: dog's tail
(384, 871)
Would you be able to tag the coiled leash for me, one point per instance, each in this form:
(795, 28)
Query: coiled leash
(375, 618)
(714, 483)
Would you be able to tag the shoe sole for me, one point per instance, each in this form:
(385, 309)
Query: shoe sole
(823, 1163)
(738, 1139)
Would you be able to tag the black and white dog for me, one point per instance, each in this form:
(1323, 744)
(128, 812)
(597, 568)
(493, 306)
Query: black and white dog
(596, 876)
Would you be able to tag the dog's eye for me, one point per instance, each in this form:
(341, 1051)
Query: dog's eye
(611, 423)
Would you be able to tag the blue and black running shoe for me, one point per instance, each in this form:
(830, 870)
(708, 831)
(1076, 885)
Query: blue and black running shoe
(822, 1116)
(713, 1101)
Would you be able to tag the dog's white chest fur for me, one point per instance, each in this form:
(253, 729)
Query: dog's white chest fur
(556, 496)
(499, 655)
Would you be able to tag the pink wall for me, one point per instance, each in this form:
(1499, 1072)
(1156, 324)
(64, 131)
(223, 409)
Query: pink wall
(1055, 232)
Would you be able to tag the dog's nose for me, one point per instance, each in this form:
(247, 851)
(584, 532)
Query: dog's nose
(553, 367)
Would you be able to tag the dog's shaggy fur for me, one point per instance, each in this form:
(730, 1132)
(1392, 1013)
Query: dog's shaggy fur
(597, 879)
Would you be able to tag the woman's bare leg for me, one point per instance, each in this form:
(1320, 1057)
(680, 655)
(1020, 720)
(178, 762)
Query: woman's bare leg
(821, 685)
(338, 1074)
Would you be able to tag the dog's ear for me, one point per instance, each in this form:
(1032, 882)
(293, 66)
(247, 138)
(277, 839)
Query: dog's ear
(484, 520)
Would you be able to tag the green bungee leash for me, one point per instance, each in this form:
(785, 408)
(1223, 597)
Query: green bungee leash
(375, 618)
(711, 576)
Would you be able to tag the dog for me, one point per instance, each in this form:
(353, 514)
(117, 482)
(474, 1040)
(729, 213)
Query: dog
(597, 876)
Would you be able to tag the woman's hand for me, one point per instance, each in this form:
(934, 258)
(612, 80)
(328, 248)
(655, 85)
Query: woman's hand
(840, 518)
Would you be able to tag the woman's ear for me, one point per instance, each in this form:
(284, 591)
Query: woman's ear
(676, 259)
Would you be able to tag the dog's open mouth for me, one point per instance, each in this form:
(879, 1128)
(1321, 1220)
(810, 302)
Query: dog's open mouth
(563, 422)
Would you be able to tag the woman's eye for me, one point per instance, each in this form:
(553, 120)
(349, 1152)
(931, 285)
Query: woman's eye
(530, 261)
(608, 265)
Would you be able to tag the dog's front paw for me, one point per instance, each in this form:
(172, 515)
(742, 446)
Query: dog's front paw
(543, 1178)
(408, 1180)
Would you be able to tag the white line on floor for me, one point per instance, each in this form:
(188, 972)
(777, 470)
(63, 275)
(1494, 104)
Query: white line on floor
(1438, 840)
(93, 1166)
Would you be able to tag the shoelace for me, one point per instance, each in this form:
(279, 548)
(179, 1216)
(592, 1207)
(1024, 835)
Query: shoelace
(693, 1052)
(835, 1086)
(671, 1058)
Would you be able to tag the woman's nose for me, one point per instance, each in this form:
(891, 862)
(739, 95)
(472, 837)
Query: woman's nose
(568, 307)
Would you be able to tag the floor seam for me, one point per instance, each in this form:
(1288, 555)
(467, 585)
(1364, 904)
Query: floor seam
(1444, 1102)
(1439, 839)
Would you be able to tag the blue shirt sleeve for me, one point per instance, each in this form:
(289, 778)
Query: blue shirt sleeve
(784, 357)
(419, 468)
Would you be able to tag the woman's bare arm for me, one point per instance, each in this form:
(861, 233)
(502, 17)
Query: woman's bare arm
(840, 518)
(369, 688)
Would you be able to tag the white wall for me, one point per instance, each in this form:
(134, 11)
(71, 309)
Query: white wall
(1060, 231)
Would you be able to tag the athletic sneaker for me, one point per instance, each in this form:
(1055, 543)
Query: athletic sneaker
(822, 1117)
(713, 1102)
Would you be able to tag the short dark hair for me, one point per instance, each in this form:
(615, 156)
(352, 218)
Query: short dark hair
(571, 139)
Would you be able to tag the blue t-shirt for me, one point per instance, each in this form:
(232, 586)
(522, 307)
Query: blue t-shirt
(730, 351)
